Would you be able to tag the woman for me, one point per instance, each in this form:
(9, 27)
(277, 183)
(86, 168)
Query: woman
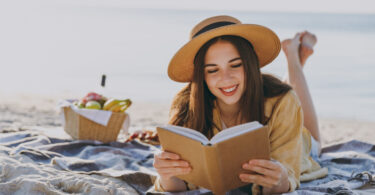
(221, 64)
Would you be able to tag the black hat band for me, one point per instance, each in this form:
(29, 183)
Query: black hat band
(213, 26)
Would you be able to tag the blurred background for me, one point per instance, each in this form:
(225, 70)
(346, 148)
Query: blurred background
(61, 48)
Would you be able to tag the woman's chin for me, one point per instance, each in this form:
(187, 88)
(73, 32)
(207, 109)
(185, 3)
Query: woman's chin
(229, 101)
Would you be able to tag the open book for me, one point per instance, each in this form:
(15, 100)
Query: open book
(217, 163)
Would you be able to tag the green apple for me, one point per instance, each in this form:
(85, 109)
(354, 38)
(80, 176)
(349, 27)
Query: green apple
(78, 104)
(93, 105)
(81, 104)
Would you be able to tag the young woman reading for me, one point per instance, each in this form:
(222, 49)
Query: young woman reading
(221, 64)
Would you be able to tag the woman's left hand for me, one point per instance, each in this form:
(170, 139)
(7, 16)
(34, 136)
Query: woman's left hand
(271, 174)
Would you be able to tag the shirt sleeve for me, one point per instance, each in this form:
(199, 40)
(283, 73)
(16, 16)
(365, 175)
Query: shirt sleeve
(285, 133)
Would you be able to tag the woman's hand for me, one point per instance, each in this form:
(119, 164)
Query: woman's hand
(271, 175)
(168, 165)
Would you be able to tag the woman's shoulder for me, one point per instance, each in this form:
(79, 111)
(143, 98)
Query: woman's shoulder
(288, 99)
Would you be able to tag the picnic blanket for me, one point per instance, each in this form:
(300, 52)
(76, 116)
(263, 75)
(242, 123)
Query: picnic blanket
(33, 163)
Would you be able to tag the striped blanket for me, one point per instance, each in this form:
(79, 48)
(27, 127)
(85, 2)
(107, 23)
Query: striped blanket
(33, 163)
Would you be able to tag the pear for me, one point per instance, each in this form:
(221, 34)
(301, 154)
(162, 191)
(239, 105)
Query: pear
(93, 105)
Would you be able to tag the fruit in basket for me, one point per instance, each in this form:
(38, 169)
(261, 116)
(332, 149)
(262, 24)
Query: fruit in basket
(126, 105)
(116, 105)
(111, 103)
(96, 101)
(93, 105)
(92, 96)
(79, 104)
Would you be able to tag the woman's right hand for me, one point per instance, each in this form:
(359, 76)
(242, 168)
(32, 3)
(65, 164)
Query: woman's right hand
(169, 164)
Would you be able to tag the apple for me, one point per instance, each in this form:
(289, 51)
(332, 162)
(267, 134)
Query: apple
(93, 105)
(81, 104)
(92, 96)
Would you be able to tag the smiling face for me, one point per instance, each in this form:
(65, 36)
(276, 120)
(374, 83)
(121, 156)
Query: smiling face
(224, 72)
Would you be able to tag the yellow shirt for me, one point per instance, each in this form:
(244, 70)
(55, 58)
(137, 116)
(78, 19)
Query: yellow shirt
(290, 141)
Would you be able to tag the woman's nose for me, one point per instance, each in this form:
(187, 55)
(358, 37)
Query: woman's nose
(226, 74)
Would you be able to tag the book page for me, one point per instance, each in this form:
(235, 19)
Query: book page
(193, 134)
(235, 131)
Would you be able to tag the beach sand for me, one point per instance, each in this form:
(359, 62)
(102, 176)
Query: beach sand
(41, 112)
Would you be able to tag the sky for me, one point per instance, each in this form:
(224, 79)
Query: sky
(313, 6)
(71, 43)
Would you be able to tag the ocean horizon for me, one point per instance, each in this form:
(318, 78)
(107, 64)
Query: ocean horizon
(65, 48)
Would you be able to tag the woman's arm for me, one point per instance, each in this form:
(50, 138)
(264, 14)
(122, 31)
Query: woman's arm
(272, 175)
(168, 165)
(285, 128)
(172, 184)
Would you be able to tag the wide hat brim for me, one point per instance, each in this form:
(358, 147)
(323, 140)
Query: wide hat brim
(265, 42)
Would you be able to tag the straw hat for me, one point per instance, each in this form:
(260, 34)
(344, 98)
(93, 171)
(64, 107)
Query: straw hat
(265, 42)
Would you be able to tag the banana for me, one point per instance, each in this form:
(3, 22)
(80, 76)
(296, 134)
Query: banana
(110, 103)
(116, 107)
(126, 105)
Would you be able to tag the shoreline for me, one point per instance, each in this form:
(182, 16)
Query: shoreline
(146, 115)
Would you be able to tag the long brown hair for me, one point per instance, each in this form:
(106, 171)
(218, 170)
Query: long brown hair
(193, 106)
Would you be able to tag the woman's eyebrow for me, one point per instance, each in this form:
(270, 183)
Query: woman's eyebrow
(209, 65)
(234, 59)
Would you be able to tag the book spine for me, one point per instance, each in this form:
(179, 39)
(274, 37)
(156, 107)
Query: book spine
(213, 170)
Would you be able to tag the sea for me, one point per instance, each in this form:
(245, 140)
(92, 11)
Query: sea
(52, 48)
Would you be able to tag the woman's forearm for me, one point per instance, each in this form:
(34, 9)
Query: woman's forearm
(172, 184)
(282, 188)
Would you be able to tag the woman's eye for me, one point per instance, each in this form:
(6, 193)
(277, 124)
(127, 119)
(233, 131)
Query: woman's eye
(237, 65)
(211, 71)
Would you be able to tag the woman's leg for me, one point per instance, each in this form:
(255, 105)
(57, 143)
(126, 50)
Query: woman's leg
(297, 50)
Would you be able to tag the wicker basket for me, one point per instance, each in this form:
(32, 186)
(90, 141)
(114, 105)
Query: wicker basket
(79, 127)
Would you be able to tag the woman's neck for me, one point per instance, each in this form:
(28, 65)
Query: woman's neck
(230, 114)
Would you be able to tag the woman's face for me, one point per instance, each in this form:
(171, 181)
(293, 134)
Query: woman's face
(224, 72)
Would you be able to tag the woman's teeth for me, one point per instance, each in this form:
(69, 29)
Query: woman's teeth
(230, 89)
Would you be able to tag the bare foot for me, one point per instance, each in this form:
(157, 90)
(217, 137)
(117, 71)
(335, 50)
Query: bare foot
(291, 50)
(291, 47)
(284, 45)
(308, 40)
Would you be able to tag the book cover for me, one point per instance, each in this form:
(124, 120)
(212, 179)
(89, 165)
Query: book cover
(217, 166)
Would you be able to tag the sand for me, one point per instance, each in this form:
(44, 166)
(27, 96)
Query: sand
(41, 112)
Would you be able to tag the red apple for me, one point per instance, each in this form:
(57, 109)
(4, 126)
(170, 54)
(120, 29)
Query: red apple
(92, 96)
